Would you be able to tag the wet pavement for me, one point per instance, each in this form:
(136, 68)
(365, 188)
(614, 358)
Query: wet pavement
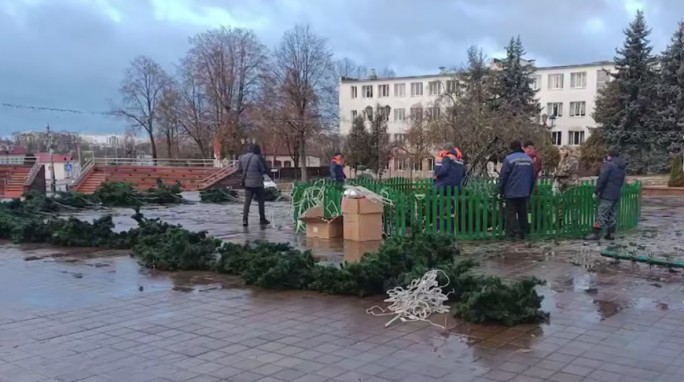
(90, 315)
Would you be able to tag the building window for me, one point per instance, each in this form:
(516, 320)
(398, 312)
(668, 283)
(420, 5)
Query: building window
(369, 114)
(354, 92)
(536, 82)
(367, 91)
(435, 88)
(416, 113)
(416, 89)
(575, 138)
(578, 109)
(400, 90)
(433, 113)
(431, 164)
(556, 137)
(287, 164)
(399, 138)
(578, 80)
(399, 114)
(354, 115)
(556, 81)
(554, 109)
(418, 166)
(451, 86)
(602, 78)
(383, 91)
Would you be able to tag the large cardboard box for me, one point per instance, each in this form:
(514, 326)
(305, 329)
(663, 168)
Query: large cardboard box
(366, 227)
(319, 227)
(361, 206)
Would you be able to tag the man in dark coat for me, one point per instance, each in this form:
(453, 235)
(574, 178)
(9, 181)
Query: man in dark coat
(516, 183)
(451, 171)
(609, 190)
(253, 167)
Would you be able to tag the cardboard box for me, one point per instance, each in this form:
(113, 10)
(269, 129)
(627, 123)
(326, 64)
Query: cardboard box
(367, 227)
(319, 227)
(361, 206)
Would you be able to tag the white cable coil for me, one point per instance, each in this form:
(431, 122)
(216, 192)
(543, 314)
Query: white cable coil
(421, 298)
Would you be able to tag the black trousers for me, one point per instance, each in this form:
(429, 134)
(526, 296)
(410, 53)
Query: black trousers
(516, 218)
(258, 193)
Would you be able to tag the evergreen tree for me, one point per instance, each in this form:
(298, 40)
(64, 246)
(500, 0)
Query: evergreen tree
(668, 121)
(380, 145)
(624, 107)
(512, 86)
(357, 145)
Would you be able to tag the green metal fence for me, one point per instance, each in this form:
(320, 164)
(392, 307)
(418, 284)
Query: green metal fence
(477, 212)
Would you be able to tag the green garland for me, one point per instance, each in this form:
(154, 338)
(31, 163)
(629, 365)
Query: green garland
(218, 195)
(164, 246)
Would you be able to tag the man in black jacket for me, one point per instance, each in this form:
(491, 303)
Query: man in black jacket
(608, 190)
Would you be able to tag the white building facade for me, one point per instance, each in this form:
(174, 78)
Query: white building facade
(567, 95)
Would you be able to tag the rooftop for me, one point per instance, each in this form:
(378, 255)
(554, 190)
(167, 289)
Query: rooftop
(453, 73)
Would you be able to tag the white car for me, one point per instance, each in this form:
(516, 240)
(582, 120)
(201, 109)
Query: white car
(268, 183)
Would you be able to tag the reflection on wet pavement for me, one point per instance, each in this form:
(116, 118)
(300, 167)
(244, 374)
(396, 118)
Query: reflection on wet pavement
(92, 315)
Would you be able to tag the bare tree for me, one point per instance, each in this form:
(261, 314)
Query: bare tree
(141, 91)
(416, 144)
(347, 68)
(228, 62)
(194, 107)
(304, 72)
(168, 119)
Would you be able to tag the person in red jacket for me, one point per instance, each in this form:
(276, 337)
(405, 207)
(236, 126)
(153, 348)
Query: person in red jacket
(532, 152)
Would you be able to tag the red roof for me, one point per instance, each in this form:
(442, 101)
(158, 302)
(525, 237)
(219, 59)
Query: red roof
(58, 158)
(18, 150)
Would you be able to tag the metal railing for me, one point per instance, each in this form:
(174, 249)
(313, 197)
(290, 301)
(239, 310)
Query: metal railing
(218, 175)
(31, 176)
(171, 162)
(87, 167)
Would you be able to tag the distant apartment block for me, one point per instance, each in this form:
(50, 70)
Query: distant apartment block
(567, 95)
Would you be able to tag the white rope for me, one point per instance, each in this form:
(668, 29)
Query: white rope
(421, 298)
(370, 195)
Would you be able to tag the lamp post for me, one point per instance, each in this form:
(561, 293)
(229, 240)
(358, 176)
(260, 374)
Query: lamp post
(546, 118)
(53, 181)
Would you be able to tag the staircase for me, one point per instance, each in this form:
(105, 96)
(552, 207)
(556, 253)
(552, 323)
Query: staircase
(145, 177)
(13, 180)
(90, 182)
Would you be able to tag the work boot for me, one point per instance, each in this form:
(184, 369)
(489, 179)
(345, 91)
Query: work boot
(610, 234)
(594, 235)
(245, 223)
(264, 221)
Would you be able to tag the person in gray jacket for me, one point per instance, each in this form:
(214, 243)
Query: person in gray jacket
(253, 167)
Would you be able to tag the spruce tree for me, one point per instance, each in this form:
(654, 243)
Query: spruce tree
(624, 108)
(512, 86)
(668, 121)
(357, 145)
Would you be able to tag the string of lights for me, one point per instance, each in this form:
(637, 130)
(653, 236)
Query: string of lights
(114, 114)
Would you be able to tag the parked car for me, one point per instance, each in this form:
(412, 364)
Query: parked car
(268, 183)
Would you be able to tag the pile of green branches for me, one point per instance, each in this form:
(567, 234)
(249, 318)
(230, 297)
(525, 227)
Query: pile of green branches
(109, 194)
(218, 195)
(476, 297)
(272, 194)
(159, 245)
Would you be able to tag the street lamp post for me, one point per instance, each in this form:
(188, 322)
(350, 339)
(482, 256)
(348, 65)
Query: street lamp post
(53, 181)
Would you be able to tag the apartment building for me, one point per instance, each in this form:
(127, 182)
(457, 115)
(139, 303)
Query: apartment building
(566, 93)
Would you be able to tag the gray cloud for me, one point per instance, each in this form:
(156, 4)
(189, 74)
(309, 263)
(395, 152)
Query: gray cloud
(71, 53)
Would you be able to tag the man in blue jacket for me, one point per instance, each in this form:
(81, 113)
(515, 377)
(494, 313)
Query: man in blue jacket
(516, 183)
(608, 190)
(452, 170)
(337, 169)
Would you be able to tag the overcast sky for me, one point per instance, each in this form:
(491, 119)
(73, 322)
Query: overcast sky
(70, 54)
